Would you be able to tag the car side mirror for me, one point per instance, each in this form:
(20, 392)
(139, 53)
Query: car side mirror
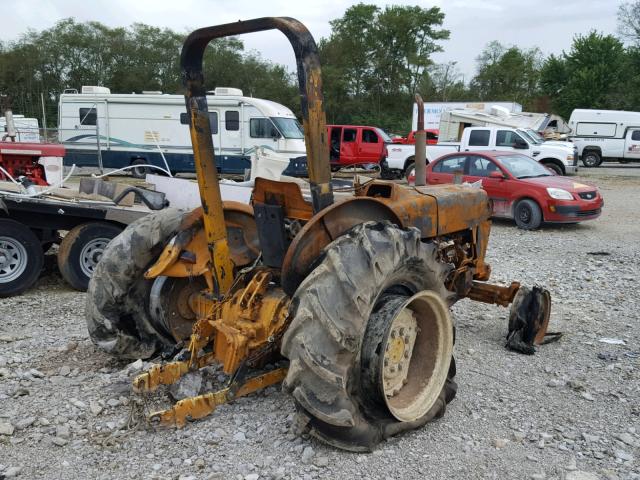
(496, 175)
(520, 145)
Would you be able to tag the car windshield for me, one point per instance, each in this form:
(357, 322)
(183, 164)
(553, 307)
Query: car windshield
(385, 136)
(528, 136)
(288, 127)
(521, 166)
(535, 135)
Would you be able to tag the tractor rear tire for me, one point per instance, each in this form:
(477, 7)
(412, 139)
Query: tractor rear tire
(341, 312)
(117, 309)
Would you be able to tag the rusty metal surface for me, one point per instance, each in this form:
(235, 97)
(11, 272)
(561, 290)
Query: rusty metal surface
(203, 405)
(421, 145)
(325, 227)
(310, 87)
(286, 194)
(167, 373)
(495, 294)
(191, 243)
(246, 321)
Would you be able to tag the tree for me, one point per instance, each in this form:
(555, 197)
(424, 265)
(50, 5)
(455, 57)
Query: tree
(591, 75)
(508, 73)
(375, 59)
(629, 21)
(140, 57)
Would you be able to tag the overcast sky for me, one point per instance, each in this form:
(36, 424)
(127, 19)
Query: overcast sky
(548, 24)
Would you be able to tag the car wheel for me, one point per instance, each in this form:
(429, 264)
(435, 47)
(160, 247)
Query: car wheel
(591, 159)
(527, 215)
(21, 257)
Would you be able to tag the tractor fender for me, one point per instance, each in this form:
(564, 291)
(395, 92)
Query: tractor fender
(307, 248)
(241, 237)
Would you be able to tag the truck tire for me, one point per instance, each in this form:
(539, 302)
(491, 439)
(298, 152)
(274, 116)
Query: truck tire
(343, 312)
(21, 257)
(558, 170)
(139, 172)
(410, 169)
(591, 159)
(81, 249)
(117, 309)
(527, 214)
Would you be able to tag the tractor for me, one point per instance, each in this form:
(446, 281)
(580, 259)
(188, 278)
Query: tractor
(343, 296)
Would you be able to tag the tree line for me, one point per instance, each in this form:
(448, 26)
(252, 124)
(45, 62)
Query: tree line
(373, 62)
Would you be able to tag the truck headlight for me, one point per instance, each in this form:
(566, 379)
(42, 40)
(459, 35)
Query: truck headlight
(559, 194)
(570, 157)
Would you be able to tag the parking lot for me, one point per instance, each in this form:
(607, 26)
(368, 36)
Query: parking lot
(571, 411)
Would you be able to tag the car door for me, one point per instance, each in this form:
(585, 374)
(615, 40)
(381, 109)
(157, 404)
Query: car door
(447, 170)
(370, 148)
(632, 144)
(478, 169)
(348, 147)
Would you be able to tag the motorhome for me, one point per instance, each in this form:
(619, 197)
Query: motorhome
(152, 127)
(605, 134)
(27, 129)
(434, 110)
(453, 122)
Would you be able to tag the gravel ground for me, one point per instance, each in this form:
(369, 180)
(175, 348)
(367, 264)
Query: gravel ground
(571, 411)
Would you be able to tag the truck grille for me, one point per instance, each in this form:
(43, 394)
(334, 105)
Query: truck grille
(575, 156)
(587, 195)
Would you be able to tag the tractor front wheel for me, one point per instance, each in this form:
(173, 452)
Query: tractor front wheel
(117, 310)
(370, 344)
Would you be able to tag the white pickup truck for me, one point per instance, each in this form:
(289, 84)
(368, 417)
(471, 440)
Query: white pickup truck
(606, 134)
(559, 156)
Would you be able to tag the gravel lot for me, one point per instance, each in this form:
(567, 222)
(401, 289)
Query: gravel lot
(572, 411)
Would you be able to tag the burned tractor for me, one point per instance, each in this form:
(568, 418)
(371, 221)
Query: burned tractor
(353, 289)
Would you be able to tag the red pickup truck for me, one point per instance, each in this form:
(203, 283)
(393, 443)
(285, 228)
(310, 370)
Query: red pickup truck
(432, 138)
(356, 145)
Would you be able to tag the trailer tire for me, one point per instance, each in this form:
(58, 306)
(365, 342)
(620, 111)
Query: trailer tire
(21, 257)
(117, 306)
(139, 172)
(81, 249)
(340, 312)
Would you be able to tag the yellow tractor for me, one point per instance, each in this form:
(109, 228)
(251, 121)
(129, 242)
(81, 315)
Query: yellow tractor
(349, 290)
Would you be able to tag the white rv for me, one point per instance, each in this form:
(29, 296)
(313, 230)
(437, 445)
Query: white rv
(605, 134)
(133, 129)
(27, 129)
(434, 110)
(453, 122)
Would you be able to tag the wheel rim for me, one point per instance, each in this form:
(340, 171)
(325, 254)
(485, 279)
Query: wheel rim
(411, 176)
(590, 160)
(524, 214)
(13, 259)
(417, 354)
(91, 254)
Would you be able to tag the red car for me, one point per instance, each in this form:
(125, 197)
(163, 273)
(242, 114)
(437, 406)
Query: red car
(519, 187)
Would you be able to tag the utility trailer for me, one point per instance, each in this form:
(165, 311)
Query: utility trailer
(29, 226)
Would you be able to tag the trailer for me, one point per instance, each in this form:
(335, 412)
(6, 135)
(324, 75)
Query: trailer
(30, 225)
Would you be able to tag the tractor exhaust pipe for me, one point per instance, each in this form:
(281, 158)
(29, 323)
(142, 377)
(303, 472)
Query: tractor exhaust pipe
(421, 146)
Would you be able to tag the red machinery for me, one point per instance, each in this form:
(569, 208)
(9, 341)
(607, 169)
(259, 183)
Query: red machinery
(22, 159)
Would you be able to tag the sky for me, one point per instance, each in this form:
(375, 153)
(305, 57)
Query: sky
(547, 24)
